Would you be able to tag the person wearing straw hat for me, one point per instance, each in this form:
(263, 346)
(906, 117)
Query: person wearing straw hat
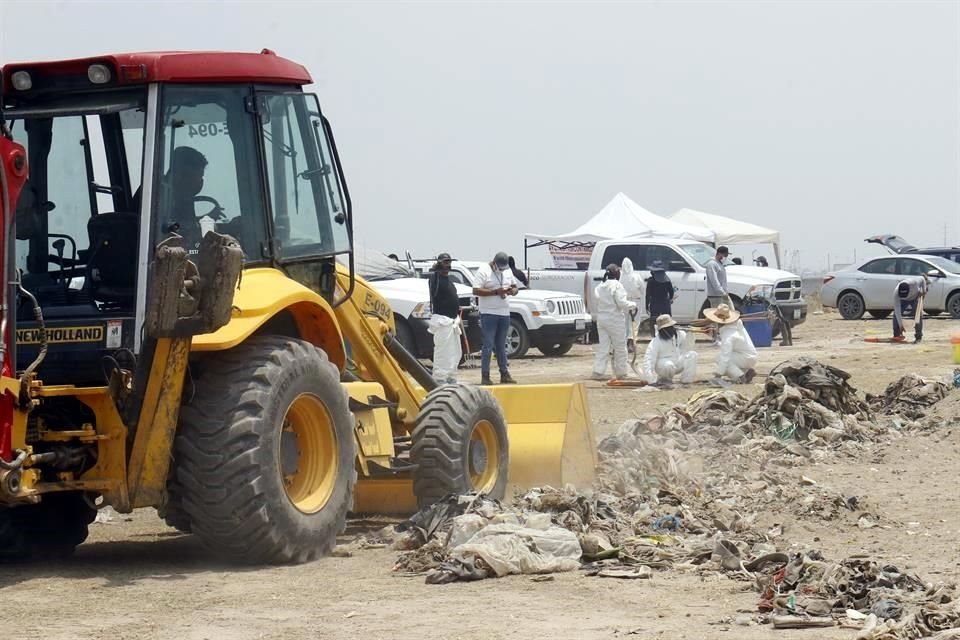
(660, 292)
(612, 309)
(669, 354)
(738, 355)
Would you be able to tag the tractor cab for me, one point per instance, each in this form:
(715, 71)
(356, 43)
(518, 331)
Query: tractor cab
(128, 151)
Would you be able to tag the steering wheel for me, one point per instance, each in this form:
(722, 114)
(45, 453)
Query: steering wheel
(216, 213)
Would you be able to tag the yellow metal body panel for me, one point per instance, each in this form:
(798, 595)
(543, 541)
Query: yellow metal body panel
(262, 294)
(153, 441)
(393, 496)
(372, 428)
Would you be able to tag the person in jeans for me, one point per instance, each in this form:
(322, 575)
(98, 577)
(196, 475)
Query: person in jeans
(717, 279)
(496, 282)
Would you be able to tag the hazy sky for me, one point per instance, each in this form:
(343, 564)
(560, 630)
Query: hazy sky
(463, 125)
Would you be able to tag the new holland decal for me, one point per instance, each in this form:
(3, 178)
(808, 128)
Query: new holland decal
(59, 335)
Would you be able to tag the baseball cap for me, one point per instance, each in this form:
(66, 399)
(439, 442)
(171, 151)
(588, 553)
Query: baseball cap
(502, 260)
(443, 257)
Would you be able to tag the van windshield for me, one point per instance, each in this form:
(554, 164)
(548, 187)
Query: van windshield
(700, 253)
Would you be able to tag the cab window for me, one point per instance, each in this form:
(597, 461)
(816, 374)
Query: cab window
(209, 175)
(615, 254)
(309, 216)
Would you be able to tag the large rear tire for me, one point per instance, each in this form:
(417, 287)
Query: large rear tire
(50, 530)
(459, 445)
(172, 510)
(265, 453)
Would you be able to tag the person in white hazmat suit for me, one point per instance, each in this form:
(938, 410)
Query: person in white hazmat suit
(670, 354)
(444, 321)
(613, 309)
(738, 355)
(632, 281)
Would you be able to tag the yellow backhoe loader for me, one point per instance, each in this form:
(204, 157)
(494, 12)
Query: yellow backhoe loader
(182, 327)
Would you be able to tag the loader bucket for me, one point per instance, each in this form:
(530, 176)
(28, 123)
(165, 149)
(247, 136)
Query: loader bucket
(551, 443)
(551, 435)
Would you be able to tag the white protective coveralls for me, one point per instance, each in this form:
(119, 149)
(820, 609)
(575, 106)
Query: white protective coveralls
(633, 282)
(447, 349)
(737, 353)
(665, 359)
(612, 308)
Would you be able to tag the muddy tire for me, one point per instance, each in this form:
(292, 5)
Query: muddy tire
(851, 306)
(50, 530)
(172, 511)
(459, 445)
(265, 453)
(556, 350)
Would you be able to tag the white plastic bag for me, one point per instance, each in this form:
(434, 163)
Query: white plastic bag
(446, 347)
(511, 549)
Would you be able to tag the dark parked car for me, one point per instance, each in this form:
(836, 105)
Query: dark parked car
(896, 244)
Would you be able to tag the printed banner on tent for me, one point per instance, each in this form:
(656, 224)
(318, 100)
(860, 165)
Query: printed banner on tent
(571, 258)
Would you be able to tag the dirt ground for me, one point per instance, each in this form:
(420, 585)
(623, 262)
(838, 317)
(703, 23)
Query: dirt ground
(135, 578)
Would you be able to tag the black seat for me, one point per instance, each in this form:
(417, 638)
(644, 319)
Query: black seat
(112, 262)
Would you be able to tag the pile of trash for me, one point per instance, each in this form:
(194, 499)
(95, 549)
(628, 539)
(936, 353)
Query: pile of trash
(911, 397)
(683, 490)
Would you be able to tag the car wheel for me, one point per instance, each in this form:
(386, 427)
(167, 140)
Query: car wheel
(556, 350)
(879, 315)
(518, 343)
(851, 306)
(953, 306)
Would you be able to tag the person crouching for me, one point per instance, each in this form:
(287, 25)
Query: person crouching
(670, 354)
(612, 309)
(738, 355)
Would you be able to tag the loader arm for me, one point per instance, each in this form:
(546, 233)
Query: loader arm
(366, 319)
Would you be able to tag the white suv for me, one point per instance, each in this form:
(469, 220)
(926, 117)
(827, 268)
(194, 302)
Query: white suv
(551, 321)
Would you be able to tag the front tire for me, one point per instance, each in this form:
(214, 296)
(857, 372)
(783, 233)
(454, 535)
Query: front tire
(459, 445)
(953, 306)
(851, 306)
(265, 453)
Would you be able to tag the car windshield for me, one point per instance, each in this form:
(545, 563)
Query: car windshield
(701, 253)
(946, 265)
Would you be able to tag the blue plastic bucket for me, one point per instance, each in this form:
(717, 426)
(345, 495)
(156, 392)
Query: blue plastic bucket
(761, 332)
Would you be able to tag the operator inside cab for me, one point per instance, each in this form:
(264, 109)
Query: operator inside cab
(185, 181)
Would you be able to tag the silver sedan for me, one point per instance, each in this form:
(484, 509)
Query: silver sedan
(871, 286)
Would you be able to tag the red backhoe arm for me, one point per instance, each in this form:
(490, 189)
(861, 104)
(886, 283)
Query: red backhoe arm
(13, 174)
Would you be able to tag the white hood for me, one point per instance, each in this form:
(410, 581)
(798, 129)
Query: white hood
(755, 275)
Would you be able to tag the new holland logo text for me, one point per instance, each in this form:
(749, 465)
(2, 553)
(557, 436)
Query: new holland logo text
(60, 335)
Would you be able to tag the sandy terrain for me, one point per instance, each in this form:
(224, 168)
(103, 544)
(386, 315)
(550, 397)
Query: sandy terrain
(137, 579)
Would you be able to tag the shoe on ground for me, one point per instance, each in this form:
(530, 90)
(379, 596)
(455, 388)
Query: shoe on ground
(506, 378)
(749, 376)
(600, 377)
(486, 381)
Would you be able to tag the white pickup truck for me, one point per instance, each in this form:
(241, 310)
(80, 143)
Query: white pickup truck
(551, 321)
(685, 260)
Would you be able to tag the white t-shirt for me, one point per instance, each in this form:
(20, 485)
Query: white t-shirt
(491, 278)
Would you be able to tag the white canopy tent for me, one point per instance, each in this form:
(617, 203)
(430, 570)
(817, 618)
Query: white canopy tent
(620, 218)
(729, 231)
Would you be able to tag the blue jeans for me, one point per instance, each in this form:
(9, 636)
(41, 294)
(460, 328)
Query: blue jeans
(494, 337)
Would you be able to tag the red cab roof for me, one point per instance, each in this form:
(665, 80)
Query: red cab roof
(183, 66)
